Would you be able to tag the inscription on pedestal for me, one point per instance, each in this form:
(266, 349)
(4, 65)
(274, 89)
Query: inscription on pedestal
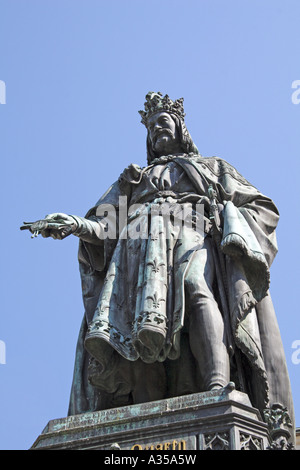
(175, 444)
(220, 420)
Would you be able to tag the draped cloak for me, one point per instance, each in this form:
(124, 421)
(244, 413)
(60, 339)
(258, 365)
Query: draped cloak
(133, 287)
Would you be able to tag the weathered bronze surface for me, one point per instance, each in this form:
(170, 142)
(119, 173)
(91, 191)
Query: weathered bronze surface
(217, 420)
(175, 266)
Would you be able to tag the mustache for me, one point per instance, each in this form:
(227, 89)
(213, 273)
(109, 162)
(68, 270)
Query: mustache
(161, 131)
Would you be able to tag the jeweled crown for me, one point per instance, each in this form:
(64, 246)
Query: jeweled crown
(156, 102)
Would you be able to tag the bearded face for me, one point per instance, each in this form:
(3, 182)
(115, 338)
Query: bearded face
(167, 135)
(163, 134)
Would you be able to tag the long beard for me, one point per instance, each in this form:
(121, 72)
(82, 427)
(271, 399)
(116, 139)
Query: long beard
(164, 142)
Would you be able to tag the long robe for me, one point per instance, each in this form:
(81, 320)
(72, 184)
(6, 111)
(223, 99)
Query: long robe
(133, 286)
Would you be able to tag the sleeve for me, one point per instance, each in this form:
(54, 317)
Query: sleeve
(249, 236)
(99, 231)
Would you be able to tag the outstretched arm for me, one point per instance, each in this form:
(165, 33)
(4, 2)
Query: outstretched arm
(60, 225)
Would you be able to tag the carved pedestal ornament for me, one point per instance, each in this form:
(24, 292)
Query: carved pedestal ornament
(280, 426)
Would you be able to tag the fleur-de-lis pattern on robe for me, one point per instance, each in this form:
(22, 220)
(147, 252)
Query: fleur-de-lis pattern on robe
(137, 305)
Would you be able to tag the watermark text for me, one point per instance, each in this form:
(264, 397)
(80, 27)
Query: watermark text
(2, 352)
(296, 353)
(144, 220)
(296, 93)
(2, 92)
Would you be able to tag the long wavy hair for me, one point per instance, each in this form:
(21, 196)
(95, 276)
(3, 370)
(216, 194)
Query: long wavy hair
(186, 141)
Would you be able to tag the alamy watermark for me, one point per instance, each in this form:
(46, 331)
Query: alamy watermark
(144, 220)
(296, 353)
(2, 92)
(2, 352)
(296, 93)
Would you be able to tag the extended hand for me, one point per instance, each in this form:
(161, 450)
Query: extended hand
(57, 226)
(60, 226)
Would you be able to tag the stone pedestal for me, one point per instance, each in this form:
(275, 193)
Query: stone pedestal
(223, 420)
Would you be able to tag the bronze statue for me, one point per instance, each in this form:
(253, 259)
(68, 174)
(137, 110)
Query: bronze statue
(175, 266)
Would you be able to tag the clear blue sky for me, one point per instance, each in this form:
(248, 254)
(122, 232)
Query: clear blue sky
(76, 73)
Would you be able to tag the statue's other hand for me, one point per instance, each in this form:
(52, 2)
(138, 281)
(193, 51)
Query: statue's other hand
(59, 226)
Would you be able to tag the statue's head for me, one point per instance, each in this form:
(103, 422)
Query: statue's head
(167, 133)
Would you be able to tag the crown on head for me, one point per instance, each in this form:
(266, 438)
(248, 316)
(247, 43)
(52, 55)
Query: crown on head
(156, 102)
